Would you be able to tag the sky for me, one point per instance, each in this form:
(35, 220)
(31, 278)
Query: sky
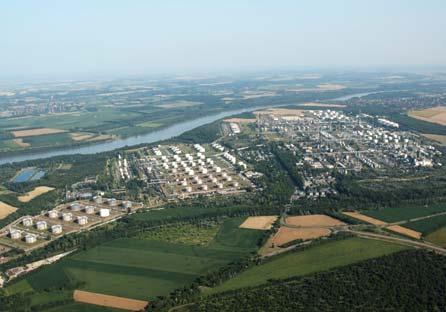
(131, 37)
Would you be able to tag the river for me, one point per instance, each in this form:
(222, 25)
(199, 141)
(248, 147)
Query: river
(158, 135)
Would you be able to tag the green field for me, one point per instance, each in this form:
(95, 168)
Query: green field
(315, 259)
(404, 213)
(427, 226)
(437, 237)
(79, 307)
(143, 268)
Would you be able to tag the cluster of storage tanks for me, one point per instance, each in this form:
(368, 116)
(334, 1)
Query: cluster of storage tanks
(218, 147)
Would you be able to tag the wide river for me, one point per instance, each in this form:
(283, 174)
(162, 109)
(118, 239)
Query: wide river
(159, 135)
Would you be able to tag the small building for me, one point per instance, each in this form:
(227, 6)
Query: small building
(41, 225)
(56, 229)
(75, 207)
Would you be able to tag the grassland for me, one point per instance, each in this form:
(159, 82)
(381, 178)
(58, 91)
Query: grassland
(315, 259)
(437, 237)
(187, 234)
(404, 213)
(144, 268)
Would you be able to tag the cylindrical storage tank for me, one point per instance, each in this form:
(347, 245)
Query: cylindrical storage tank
(126, 204)
(191, 172)
(82, 220)
(224, 174)
(52, 214)
(97, 199)
(199, 182)
(15, 234)
(67, 216)
(56, 229)
(217, 169)
(188, 189)
(27, 222)
(214, 180)
(184, 183)
(104, 213)
(173, 171)
(41, 225)
(112, 202)
(228, 178)
(89, 209)
(235, 184)
(30, 238)
(220, 185)
(204, 187)
(75, 207)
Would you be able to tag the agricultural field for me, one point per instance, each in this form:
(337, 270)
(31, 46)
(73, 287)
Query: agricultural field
(259, 222)
(311, 260)
(437, 237)
(434, 115)
(142, 268)
(6, 210)
(404, 213)
(429, 225)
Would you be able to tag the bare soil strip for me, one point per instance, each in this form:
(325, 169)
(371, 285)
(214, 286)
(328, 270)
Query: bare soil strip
(6, 210)
(258, 223)
(404, 231)
(34, 193)
(365, 218)
(241, 120)
(19, 142)
(317, 220)
(36, 132)
(109, 301)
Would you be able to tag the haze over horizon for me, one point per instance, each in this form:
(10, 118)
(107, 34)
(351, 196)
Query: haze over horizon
(82, 38)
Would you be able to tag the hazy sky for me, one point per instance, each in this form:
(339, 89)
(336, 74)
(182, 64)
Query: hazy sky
(77, 37)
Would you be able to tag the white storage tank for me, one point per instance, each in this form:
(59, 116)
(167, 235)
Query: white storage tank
(104, 212)
(97, 199)
(235, 184)
(126, 204)
(220, 185)
(15, 234)
(66, 216)
(52, 214)
(112, 202)
(82, 220)
(56, 229)
(228, 178)
(27, 221)
(204, 187)
(217, 169)
(89, 209)
(41, 225)
(184, 183)
(30, 238)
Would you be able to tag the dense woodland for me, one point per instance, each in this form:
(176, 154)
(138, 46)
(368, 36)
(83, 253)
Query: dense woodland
(406, 281)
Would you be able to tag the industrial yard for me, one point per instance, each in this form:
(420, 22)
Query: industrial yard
(30, 232)
(183, 171)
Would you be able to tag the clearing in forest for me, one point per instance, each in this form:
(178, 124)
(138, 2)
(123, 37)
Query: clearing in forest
(259, 222)
(35, 193)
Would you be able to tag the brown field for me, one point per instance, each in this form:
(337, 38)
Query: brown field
(404, 231)
(6, 210)
(286, 235)
(365, 218)
(281, 111)
(34, 193)
(321, 105)
(258, 223)
(36, 132)
(434, 115)
(78, 136)
(19, 142)
(313, 221)
(109, 301)
(331, 86)
(241, 120)
(436, 137)
(101, 137)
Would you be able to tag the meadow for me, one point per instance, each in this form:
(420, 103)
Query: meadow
(307, 261)
(143, 268)
(427, 226)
